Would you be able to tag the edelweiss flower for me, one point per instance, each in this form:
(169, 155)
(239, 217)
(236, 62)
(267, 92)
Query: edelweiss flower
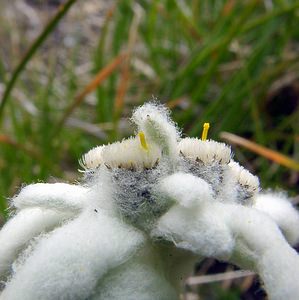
(147, 205)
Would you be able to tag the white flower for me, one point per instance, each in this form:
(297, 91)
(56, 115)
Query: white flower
(148, 204)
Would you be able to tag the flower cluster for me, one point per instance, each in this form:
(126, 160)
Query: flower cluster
(147, 206)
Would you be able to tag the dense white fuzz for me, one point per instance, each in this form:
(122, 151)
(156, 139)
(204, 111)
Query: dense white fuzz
(280, 209)
(198, 230)
(129, 154)
(159, 129)
(185, 188)
(58, 196)
(19, 230)
(92, 159)
(261, 245)
(143, 277)
(279, 271)
(69, 262)
(147, 207)
(206, 152)
(238, 234)
(246, 180)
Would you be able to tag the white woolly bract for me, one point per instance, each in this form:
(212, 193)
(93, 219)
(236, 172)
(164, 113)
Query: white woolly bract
(198, 230)
(142, 273)
(186, 188)
(69, 262)
(279, 271)
(155, 122)
(238, 234)
(58, 196)
(119, 236)
(281, 210)
(244, 177)
(19, 230)
(207, 152)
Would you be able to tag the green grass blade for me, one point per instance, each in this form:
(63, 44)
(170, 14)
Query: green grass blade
(62, 10)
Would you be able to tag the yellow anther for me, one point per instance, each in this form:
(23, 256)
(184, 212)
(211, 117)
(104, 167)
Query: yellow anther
(142, 140)
(205, 130)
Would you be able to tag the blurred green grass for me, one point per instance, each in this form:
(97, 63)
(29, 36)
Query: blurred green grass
(225, 62)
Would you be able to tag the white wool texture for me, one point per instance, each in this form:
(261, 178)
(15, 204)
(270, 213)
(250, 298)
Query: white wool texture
(129, 154)
(281, 210)
(213, 213)
(206, 152)
(19, 230)
(267, 252)
(92, 159)
(209, 160)
(189, 190)
(101, 190)
(58, 196)
(69, 262)
(279, 270)
(244, 177)
(143, 277)
(145, 210)
(245, 223)
(232, 232)
(154, 121)
(199, 230)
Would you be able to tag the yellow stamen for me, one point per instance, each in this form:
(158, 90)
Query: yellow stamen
(205, 130)
(142, 140)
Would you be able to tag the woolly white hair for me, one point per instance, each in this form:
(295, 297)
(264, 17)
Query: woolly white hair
(16, 233)
(154, 121)
(233, 233)
(57, 269)
(60, 197)
(281, 210)
(148, 207)
(92, 159)
(199, 190)
(244, 177)
(128, 154)
(206, 152)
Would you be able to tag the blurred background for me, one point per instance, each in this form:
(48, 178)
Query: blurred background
(71, 72)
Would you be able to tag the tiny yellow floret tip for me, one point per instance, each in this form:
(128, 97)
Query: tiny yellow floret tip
(142, 139)
(205, 130)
